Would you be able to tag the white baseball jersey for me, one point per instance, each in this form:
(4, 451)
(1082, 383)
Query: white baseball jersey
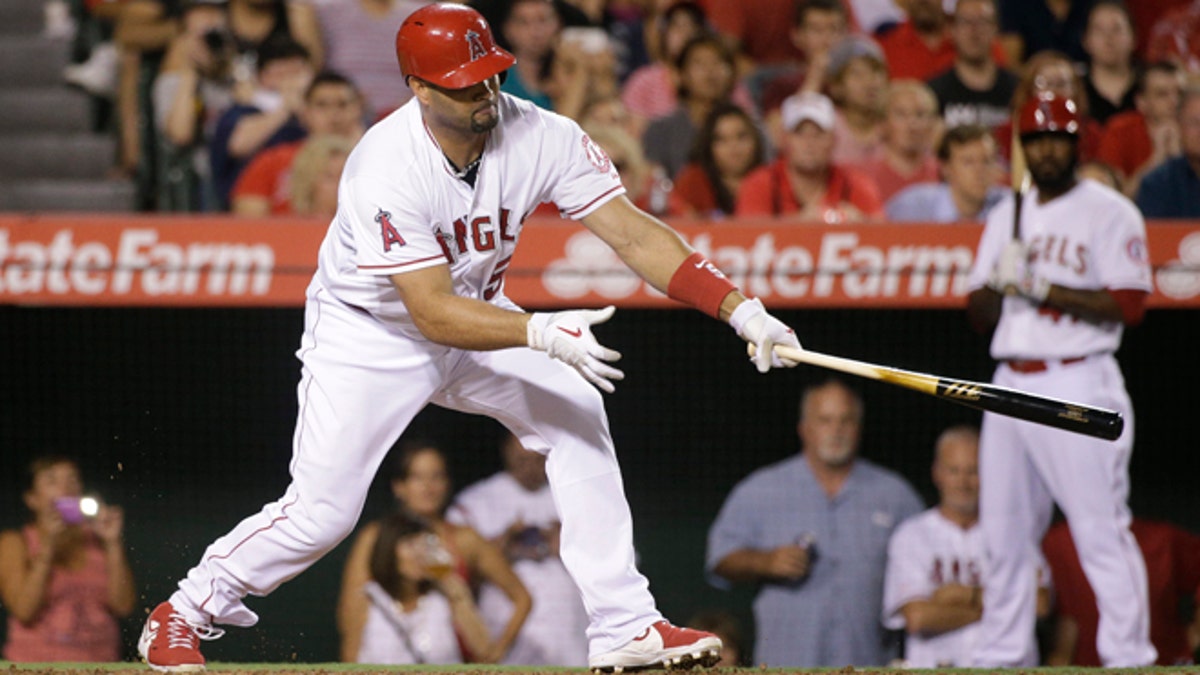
(926, 552)
(426, 634)
(401, 207)
(554, 631)
(367, 370)
(1090, 238)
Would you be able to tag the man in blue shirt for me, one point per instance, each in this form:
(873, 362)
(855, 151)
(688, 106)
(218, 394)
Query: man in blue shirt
(968, 164)
(812, 531)
(1173, 189)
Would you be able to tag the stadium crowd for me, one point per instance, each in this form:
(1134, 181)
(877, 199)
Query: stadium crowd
(806, 110)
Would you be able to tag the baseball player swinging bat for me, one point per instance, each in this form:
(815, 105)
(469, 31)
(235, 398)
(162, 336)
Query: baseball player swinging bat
(1076, 417)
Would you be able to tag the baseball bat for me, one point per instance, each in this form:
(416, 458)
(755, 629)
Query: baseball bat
(1019, 176)
(1076, 417)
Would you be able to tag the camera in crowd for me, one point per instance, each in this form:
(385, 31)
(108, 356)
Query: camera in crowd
(75, 510)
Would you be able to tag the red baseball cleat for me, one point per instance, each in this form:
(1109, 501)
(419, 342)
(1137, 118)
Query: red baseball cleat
(171, 644)
(661, 645)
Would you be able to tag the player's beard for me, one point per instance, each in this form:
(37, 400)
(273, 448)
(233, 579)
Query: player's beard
(1051, 174)
(485, 120)
(1054, 178)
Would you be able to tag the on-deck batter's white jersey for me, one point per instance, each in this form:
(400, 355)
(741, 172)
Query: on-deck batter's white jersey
(402, 208)
(1090, 238)
(554, 632)
(925, 552)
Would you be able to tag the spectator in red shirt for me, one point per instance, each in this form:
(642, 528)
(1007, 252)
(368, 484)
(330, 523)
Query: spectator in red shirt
(332, 105)
(910, 132)
(1135, 142)
(1146, 14)
(804, 184)
(1176, 37)
(728, 147)
(921, 47)
(1172, 558)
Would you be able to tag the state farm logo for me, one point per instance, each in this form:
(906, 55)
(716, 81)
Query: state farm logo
(590, 267)
(138, 264)
(841, 265)
(1180, 279)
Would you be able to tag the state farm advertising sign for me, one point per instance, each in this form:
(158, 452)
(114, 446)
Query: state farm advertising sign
(223, 261)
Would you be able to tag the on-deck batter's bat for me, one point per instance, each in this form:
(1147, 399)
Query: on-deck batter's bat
(1082, 419)
(1019, 174)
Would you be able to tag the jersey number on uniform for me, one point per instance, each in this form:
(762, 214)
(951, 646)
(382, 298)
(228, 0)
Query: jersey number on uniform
(390, 235)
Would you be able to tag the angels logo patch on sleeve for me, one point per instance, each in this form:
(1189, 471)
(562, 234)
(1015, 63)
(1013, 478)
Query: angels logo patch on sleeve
(596, 154)
(1135, 248)
(390, 235)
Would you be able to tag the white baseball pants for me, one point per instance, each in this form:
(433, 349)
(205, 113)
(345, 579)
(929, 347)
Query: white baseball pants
(1023, 469)
(362, 383)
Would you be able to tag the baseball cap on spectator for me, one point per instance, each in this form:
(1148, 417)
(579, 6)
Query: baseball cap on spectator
(850, 48)
(808, 106)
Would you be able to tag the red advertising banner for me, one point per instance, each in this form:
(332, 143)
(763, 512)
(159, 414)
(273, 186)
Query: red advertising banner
(221, 261)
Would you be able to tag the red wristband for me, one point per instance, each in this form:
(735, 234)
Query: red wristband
(700, 284)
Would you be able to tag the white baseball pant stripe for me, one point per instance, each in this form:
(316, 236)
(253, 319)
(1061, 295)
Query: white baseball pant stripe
(361, 386)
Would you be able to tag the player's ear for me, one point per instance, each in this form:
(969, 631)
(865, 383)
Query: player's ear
(420, 88)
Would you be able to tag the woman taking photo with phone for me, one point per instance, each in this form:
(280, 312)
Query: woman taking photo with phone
(64, 577)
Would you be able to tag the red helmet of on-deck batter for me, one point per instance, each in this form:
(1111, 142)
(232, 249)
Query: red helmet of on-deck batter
(450, 46)
(1048, 112)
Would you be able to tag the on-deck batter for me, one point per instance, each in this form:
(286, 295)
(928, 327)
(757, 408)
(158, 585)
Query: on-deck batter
(1077, 274)
(407, 308)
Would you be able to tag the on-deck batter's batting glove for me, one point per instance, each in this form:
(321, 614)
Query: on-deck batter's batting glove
(764, 331)
(1033, 287)
(567, 336)
(1010, 268)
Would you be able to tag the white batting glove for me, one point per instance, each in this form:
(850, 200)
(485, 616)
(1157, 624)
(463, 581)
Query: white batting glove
(1034, 288)
(567, 336)
(764, 331)
(1010, 268)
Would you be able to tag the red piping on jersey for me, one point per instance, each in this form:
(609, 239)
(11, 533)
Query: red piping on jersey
(588, 205)
(403, 264)
(446, 164)
(212, 584)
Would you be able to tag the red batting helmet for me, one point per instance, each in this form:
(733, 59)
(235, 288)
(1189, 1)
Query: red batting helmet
(1049, 113)
(449, 45)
